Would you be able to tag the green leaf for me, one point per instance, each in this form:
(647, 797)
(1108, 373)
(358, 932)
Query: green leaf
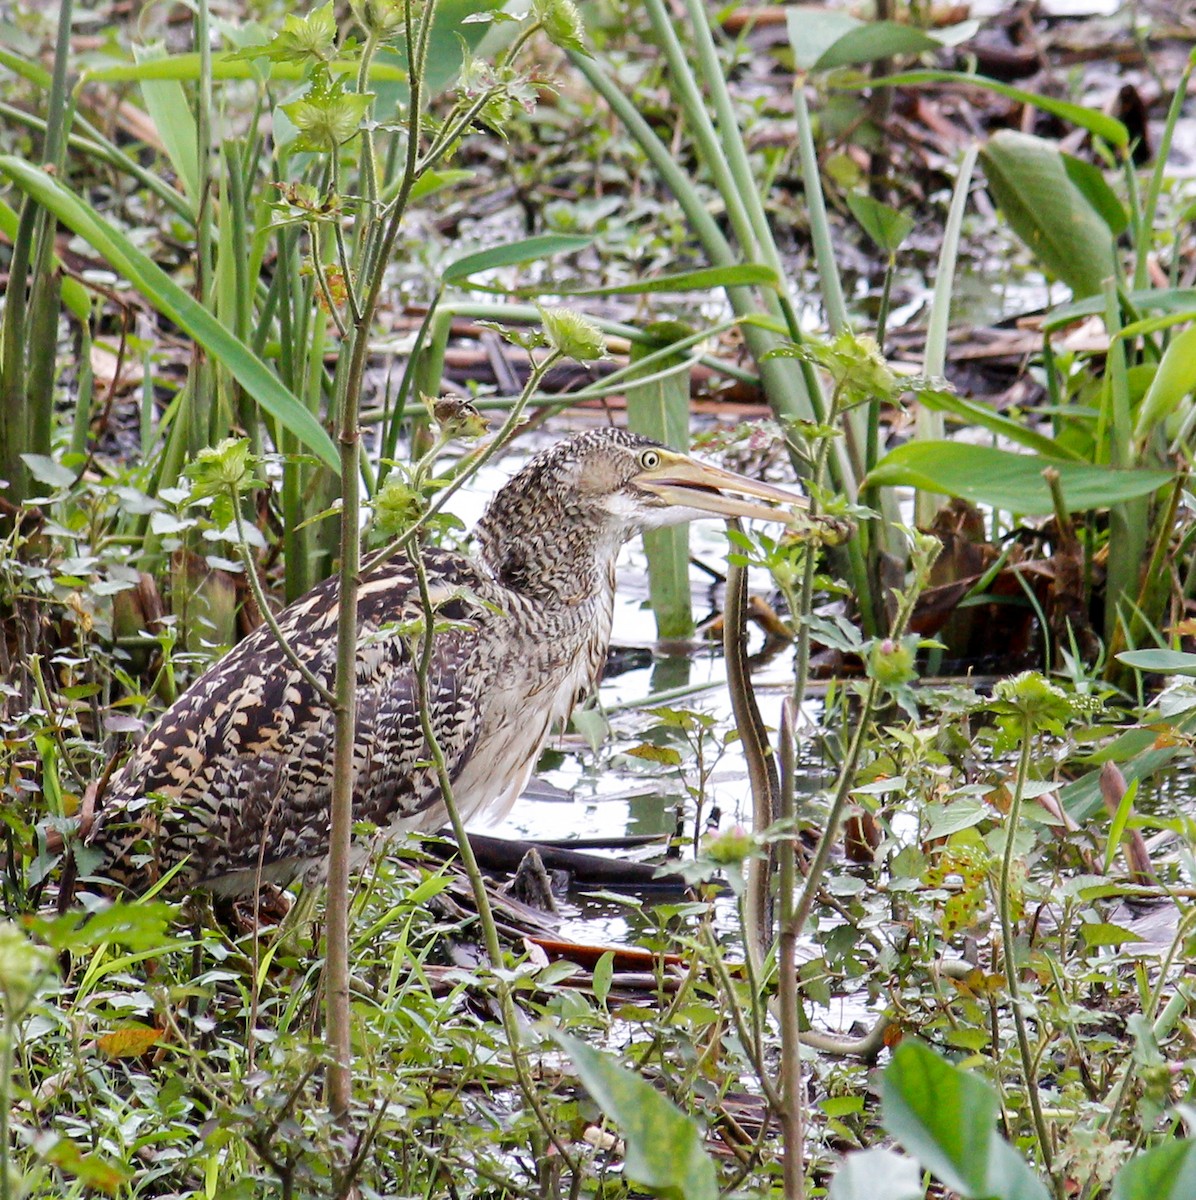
(666, 756)
(434, 181)
(941, 1115)
(45, 470)
(814, 30)
(1048, 212)
(1090, 180)
(1104, 933)
(603, 973)
(876, 39)
(169, 299)
(232, 66)
(74, 295)
(1121, 818)
(513, 254)
(1098, 123)
(970, 412)
(167, 106)
(1163, 662)
(1174, 379)
(1168, 1172)
(946, 1119)
(665, 1153)
(660, 410)
(1007, 480)
(877, 1174)
(887, 227)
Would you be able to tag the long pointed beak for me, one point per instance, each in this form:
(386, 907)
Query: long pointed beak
(687, 483)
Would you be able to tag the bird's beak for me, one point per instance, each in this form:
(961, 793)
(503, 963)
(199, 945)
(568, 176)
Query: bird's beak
(687, 483)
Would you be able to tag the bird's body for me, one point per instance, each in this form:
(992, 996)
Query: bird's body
(234, 781)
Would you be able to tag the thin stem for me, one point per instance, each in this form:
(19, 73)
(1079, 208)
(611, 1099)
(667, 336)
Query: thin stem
(792, 1123)
(1005, 903)
(6, 1063)
(470, 467)
(473, 872)
(263, 604)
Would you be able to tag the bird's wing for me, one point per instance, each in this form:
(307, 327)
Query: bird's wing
(238, 771)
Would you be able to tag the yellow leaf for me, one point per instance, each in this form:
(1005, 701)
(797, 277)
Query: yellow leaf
(129, 1041)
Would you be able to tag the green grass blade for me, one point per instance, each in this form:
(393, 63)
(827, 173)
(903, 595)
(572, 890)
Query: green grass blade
(1098, 123)
(660, 410)
(170, 300)
(514, 254)
(167, 107)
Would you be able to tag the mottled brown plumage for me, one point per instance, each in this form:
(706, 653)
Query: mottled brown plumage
(234, 781)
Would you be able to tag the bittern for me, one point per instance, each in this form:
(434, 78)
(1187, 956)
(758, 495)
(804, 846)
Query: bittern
(235, 780)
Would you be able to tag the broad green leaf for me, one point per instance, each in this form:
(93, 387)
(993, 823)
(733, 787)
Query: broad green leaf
(665, 1153)
(941, 1115)
(1010, 481)
(1164, 662)
(434, 181)
(169, 299)
(973, 413)
(1104, 933)
(1168, 1172)
(660, 410)
(1090, 180)
(946, 1118)
(739, 275)
(887, 227)
(513, 254)
(1174, 379)
(45, 470)
(1048, 212)
(873, 40)
(877, 1174)
(813, 30)
(1091, 119)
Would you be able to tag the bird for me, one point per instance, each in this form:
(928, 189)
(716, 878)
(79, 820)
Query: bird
(231, 788)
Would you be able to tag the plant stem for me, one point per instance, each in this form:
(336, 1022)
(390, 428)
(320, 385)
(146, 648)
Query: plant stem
(792, 1122)
(6, 1064)
(473, 872)
(263, 604)
(349, 437)
(1005, 904)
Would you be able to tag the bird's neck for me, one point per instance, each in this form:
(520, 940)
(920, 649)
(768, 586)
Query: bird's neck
(547, 556)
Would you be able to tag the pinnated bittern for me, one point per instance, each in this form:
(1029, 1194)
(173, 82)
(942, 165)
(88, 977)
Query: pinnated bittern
(234, 781)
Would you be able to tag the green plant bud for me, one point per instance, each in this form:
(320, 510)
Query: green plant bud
(1033, 696)
(891, 663)
(561, 21)
(397, 507)
(217, 469)
(22, 964)
(381, 17)
(729, 846)
(572, 334)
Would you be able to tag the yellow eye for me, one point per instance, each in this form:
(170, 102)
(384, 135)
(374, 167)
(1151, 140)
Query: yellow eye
(649, 460)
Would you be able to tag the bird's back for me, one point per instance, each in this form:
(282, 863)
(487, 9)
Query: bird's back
(236, 775)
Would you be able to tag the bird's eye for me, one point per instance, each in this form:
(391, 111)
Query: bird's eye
(649, 460)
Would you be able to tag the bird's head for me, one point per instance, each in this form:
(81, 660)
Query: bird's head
(590, 493)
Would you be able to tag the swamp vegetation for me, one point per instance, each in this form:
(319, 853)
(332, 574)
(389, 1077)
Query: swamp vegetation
(282, 287)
